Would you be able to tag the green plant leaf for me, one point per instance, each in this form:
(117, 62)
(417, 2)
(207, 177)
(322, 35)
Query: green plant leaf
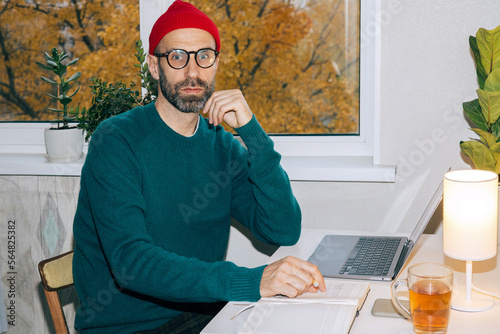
(497, 167)
(72, 62)
(76, 111)
(61, 69)
(487, 138)
(65, 101)
(55, 110)
(68, 118)
(473, 110)
(50, 81)
(53, 96)
(52, 63)
(63, 55)
(74, 76)
(490, 105)
(495, 148)
(76, 91)
(495, 129)
(45, 67)
(480, 155)
(492, 83)
(488, 43)
(481, 73)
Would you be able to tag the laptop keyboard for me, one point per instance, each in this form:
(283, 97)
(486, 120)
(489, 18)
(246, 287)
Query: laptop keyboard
(371, 257)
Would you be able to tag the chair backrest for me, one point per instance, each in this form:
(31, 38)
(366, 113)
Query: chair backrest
(56, 274)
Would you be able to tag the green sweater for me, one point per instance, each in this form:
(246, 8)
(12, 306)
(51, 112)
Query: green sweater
(153, 218)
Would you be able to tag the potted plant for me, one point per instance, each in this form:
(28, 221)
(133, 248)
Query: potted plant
(484, 112)
(63, 143)
(112, 99)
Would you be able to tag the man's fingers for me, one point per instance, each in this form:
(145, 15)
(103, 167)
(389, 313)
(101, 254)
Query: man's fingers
(314, 275)
(291, 277)
(229, 106)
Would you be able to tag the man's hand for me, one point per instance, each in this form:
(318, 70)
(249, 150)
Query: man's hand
(290, 277)
(230, 106)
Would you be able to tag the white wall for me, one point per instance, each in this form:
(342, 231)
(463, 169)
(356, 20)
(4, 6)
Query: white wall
(427, 72)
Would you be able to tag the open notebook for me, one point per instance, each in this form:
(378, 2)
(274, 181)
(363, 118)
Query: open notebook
(321, 313)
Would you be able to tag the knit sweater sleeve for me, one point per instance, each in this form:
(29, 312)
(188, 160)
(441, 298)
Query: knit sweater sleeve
(262, 198)
(112, 183)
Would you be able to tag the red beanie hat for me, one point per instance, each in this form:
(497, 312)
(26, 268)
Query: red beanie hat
(178, 16)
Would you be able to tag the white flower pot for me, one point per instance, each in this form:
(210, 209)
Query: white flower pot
(64, 145)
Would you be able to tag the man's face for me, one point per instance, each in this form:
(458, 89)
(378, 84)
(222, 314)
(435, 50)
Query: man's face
(187, 103)
(189, 88)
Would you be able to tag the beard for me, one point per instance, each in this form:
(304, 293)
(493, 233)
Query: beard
(189, 104)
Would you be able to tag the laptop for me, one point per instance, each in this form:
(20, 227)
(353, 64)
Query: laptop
(370, 257)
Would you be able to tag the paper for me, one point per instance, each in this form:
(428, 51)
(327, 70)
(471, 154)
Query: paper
(332, 312)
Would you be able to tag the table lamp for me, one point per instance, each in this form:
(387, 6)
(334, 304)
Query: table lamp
(470, 222)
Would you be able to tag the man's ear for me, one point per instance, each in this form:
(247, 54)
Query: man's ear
(153, 66)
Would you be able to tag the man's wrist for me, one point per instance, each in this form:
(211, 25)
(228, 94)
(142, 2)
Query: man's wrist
(254, 136)
(246, 120)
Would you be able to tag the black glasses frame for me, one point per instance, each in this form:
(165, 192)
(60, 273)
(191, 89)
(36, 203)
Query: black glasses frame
(189, 53)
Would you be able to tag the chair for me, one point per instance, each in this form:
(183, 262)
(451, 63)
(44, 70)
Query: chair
(56, 274)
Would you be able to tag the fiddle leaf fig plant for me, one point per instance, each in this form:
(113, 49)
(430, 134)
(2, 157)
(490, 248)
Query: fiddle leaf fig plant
(55, 62)
(484, 112)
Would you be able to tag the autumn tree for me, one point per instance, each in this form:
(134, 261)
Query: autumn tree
(291, 61)
(102, 34)
(289, 57)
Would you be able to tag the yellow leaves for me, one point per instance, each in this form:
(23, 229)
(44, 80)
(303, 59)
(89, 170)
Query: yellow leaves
(284, 26)
(289, 62)
(101, 33)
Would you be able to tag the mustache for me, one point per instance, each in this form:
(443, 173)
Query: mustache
(190, 82)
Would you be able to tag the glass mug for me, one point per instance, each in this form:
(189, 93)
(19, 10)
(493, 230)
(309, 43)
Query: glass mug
(430, 286)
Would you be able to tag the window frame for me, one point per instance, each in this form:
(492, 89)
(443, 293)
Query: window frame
(305, 157)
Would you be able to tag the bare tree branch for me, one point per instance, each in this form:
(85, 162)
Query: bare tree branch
(10, 94)
(227, 7)
(321, 39)
(262, 8)
(79, 18)
(259, 61)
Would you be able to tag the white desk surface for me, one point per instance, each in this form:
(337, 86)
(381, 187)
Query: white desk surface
(428, 249)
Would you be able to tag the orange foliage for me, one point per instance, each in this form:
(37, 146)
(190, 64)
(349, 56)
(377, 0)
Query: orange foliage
(102, 34)
(290, 62)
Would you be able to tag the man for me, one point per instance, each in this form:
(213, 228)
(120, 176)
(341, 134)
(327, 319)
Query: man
(158, 190)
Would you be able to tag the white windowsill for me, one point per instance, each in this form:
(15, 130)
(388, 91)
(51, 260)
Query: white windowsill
(349, 169)
(37, 164)
(330, 168)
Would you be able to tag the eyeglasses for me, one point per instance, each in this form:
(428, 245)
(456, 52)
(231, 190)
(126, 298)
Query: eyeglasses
(179, 58)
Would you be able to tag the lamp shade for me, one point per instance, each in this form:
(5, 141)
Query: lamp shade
(470, 214)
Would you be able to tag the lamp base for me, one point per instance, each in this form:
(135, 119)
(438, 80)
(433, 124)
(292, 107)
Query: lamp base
(477, 302)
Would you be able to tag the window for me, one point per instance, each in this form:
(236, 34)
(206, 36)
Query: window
(102, 34)
(309, 155)
(351, 157)
(296, 62)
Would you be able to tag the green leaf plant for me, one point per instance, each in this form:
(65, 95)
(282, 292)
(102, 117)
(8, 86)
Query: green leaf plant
(110, 99)
(484, 112)
(58, 63)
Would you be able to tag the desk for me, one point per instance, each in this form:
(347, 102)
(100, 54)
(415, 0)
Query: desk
(428, 249)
